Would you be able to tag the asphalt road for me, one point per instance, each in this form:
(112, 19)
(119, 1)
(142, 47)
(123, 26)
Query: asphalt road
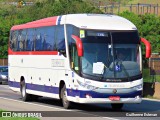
(48, 107)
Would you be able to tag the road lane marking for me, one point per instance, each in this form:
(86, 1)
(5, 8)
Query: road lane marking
(110, 118)
(33, 104)
(82, 112)
(151, 99)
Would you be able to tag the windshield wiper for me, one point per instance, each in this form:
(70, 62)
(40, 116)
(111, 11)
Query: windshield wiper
(102, 75)
(124, 69)
(90, 76)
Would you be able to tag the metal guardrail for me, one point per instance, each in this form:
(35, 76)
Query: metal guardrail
(117, 7)
(17, 3)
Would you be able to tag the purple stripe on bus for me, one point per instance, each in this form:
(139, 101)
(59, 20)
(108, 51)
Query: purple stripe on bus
(73, 93)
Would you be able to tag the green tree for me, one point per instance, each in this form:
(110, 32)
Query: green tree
(12, 15)
(148, 27)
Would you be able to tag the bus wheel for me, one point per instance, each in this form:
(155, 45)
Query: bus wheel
(25, 96)
(117, 106)
(34, 97)
(65, 102)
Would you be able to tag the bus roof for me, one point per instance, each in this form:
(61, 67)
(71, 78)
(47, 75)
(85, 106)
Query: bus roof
(100, 21)
(38, 23)
(83, 21)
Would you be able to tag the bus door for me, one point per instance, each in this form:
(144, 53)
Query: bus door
(74, 58)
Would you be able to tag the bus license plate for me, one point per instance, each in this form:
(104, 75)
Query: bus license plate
(114, 98)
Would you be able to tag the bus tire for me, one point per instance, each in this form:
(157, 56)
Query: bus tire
(117, 106)
(34, 97)
(66, 104)
(25, 96)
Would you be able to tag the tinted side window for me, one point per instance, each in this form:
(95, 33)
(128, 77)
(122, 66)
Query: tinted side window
(48, 38)
(14, 40)
(71, 30)
(29, 39)
(60, 42)
(21, 39)
(74, 59)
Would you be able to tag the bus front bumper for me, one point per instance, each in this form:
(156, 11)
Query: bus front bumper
(137, 99)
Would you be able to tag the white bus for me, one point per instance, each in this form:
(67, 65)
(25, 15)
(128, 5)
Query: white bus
(82, 58)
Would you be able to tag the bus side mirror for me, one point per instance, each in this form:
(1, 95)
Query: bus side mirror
(79, 45)
(148, 47)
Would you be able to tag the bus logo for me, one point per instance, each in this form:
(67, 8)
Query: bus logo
(118, 68)
(114, 91)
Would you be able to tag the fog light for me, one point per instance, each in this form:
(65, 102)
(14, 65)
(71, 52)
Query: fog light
(137, 97)
(88, 96)
(139, 87)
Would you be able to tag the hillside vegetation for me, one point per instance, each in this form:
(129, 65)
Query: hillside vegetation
(11, 15)
(148, 26)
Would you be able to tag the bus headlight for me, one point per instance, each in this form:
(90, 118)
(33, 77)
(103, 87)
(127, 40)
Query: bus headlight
(90, 87)
(139, 87)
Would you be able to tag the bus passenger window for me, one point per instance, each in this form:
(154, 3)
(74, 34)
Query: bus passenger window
(21, 40)
(60, 40)
(13, 40)
(38, 42)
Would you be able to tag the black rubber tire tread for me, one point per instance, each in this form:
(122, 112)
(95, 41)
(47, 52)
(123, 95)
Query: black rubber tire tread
(26, 96)
(66, 104)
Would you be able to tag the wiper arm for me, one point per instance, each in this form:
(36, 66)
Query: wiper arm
(90, 75)
(102, 75)
(125, 71)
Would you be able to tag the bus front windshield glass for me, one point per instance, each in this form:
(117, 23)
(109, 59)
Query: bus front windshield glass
(110, 55)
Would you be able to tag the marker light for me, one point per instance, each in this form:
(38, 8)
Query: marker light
(139, 87)
(90, 87)
(88, 96)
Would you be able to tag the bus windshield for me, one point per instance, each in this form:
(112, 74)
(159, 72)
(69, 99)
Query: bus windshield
(110, 55)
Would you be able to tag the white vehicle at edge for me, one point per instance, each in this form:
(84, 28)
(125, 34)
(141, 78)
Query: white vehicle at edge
(74, 57)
